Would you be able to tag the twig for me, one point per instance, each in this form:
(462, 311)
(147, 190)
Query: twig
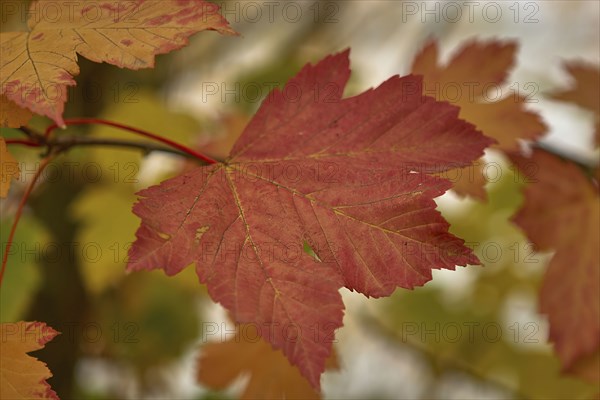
(29, 132)
(62, 143)
(168, 142)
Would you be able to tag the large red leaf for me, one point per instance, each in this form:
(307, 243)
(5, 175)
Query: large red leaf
(343, 175)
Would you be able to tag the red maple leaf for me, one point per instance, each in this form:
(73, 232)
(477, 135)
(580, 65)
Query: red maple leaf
(560, 212)
(345, 176)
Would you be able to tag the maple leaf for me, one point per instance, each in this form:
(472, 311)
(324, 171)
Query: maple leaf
(344, 176)
(37, 66)
(9, 169)
(11, 115)
(23, 376)
(271, 375)
(585, 92)
(561, 212)
(474, 69)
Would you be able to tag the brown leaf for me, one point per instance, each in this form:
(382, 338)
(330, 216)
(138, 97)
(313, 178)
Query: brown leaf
(9, 169)
(588, 368)
(271, 374)
(23, 376)
(505, 120)
(11, 115)
(469, 180)
(474, 70)
(585, 91)
(38, 66)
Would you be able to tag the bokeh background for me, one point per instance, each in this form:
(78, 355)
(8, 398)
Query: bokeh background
(471, 333)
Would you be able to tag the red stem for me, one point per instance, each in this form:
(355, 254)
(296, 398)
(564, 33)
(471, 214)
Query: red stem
(24, 142)
(13, 228)
(168, 142)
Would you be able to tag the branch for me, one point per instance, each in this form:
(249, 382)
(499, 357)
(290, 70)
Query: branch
(29, 132)
(137, 131)
(63, 143)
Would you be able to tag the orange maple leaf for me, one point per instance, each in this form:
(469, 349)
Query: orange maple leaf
(37, 66)
(23, 376)
(271, 374)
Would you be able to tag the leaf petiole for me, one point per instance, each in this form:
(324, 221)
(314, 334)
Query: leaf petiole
(24, 142)
(45, 161)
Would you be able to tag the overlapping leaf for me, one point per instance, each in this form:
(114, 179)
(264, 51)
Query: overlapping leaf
(561, 212)
(473, 76)
(585, 92)
(23, 376)
(11, 115)
(37, 66)
(271, 375)
(9, 169)
(344, 176)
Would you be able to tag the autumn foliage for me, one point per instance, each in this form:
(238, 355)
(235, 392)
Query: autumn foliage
(23, 376)
(320, 191)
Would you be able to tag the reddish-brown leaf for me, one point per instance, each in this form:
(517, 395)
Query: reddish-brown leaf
(37, 66)
(22, 376)
(474, 71)
(9, 169)
(345, 176)
(271, 374)
(585, 91)
(562, 212)
(588, 367)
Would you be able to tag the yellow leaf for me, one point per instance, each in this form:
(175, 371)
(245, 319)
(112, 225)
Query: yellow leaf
(23, 376)
(9, 169)
(37, 66)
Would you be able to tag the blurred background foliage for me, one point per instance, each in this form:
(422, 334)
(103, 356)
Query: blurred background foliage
(137, 335)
